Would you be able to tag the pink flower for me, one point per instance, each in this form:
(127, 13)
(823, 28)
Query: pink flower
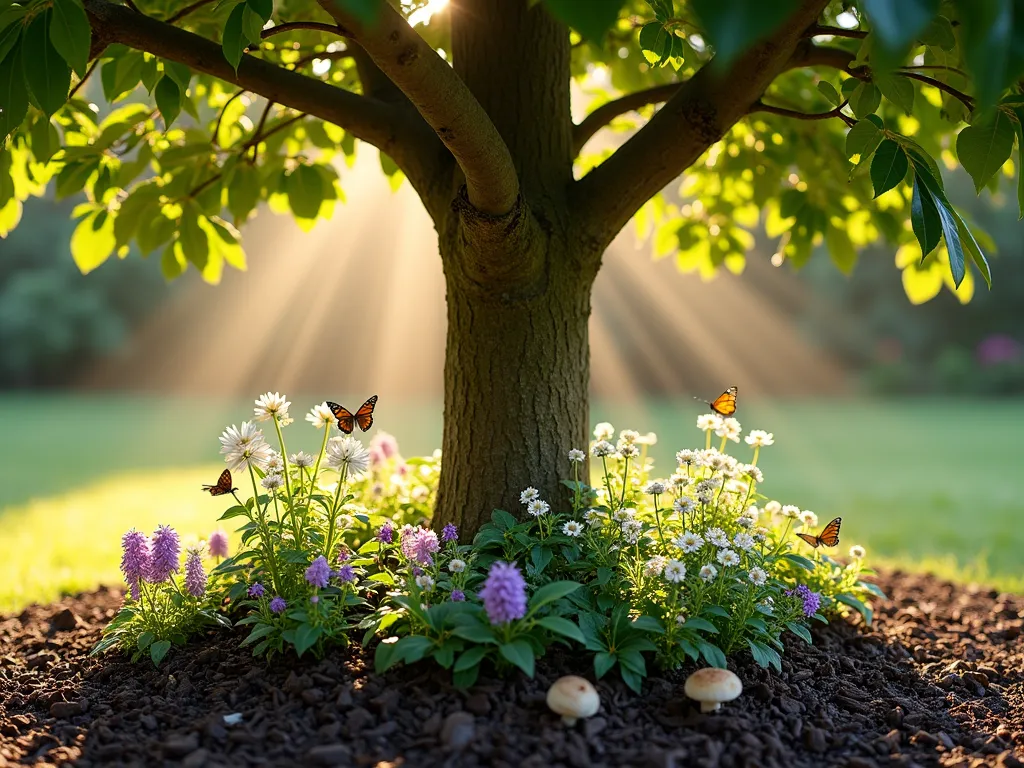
(218, 544)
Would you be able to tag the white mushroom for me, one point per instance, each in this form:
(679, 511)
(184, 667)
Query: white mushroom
(712, 686)
(573, 697)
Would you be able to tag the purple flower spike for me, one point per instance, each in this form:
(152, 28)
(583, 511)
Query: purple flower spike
(419, 544)
(450, 533)
(346, 574)
(278, 605)
(319, 572)
(218, 544)
(812, 600)
(344, 555)
(256, 590)
(195, 576)
(386, 534)
(135, 560)
(166, 550)
(504, 593)
(458, 596)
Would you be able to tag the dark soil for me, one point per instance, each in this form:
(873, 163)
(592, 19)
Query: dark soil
(939, 680)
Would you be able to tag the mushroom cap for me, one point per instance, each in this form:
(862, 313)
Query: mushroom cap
(713, 684)
(573, 697)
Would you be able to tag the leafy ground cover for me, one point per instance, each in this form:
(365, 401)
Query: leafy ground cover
(924, 483)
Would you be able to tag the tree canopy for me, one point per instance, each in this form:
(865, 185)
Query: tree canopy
(211, 107)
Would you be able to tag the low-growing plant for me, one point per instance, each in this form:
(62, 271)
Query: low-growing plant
(335, 548)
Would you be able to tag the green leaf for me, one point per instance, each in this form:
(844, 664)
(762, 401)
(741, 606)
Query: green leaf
(1018, 128)
(948, 220)
(93, 241)
(252, 24)
(45, 139)
(121, 75)
(591, 19)
(712, 654)
(412, 648)
(195, 244)
(734, 25)
(757, 624)
(145, 640)
(603, 662)
(987, 33)
(305, 189)
(470, 658)
(984, 146)
(520, 653)
(172, 263)
(716, 610)
(897, 89)
(803, 562)
(939, 34)
(697, 623)
(168, 99)
(305, 637)
(800, 631)
(551, 592)
(364, 10)
(924, 217)
(503, 519)
(71, 34)
(475, 632)
(888, 167)
(158, 650)
(179, 73)
(765, 656)
(857, 605)
(648, 624)
(385, 657)
(562, 627)
(898, 22)
(829, 92)
(234, 40)
(47, 75)
(840, 249)
(540, 556)
(865, 100)
(654, 41)
(258, 633)
(973, 249)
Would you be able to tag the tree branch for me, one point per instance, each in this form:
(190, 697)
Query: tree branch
(290, 26)
(760, 106)
(397, 131)
(442, 99)
(700, 113)
(186, 11)
(964, 99)
(818, 29)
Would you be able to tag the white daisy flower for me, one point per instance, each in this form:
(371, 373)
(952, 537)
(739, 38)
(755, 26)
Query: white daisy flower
(754, 473)
(272, 405)
(759, 438)
(683, 505)
(743, 541)
(708, 572)
(728, 557)
(456, 566)
(576, 455)
(626, 513)
(808, 518)
(689, 542)
(709, 421)
(253, 453)
(631, 530)
(602, 448)
(757, 576)
(275, 464)
(746, 520)
(707, 486)
(760, 534)
(729, 429)
(791, 510)
(272, 482)
(628, 436)
(857, 552)
(655, 566)
(680, 619)
(679, 481)
(628, 450)
(773, 508)
(674, 571)
(425, 582)
(530, 494)
(768, 602)
(717, 537)
(347, 452)
(301, 460)
(656, 487)
(538, 507)
(320, 416)
(649, 439)
(686, 457)
(234, 439)
(604, 431)
(593, 518)
(572, 528)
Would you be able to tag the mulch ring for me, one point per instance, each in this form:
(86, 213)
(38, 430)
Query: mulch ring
(938, 680)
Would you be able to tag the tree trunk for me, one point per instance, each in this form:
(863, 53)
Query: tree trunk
(516, 375)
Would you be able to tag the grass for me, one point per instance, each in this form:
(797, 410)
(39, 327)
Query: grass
(923, 484)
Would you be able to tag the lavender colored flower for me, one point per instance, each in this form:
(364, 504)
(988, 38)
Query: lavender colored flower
(319, 572)
(256, 590)
(418, 544)
(314, 599)
(166, 549)
(195, 576)
(458, 596)
(386, 533)
(504, 593)
(812, 600)
(346, 574)
(135, 560)
(218, 544)
(344, 555)
(449, 533)
(278, 605)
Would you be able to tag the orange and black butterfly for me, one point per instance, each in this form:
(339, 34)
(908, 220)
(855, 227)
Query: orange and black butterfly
(347, 420)
(223, 485)
(827, 538)
(724, 404)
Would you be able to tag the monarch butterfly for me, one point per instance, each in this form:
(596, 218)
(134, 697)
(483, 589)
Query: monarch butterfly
(724, 404)
(827, 538)
(347, 420)
(223, 485)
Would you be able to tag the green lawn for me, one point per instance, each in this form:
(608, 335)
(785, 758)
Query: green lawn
(921, 484)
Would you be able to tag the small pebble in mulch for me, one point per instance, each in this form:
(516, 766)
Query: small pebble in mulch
(939, 680)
